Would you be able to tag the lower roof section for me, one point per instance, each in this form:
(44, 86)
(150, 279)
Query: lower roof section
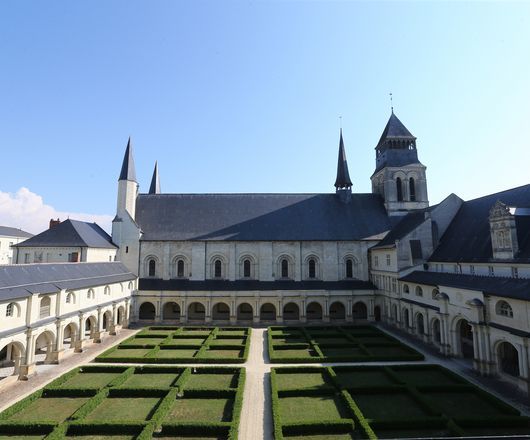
(246, 285)
(20, 280)
(518, 288)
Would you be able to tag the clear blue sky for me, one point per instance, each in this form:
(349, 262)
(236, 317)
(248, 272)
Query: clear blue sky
(246, 96)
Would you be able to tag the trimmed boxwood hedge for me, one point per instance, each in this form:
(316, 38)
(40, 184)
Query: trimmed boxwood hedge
(367, 427)
(143, 430)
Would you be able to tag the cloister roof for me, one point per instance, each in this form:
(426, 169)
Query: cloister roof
(21, 280)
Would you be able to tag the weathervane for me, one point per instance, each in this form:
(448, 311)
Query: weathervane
(340, 122)
(391, 104)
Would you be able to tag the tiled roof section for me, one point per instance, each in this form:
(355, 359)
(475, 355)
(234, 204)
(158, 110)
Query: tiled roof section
(394, 129)
(128, 171)
(468, 237)
(246, 285)
(260, 217)
(71, 233)
(20, 280)
(518, 288)
(408, 223)
(7, 231)
(343, 176)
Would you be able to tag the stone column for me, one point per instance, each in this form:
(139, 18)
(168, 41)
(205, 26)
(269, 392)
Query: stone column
(58, 349)
(349, 316)
(99, 327)
(28, 367)
(80, 337)
(114, 323)
(325, 312)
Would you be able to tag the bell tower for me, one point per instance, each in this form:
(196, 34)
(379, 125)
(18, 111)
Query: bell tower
(399, 176)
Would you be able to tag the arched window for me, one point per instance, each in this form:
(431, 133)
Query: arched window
(130, 285)
(435, 293)
(70, 298)
(107, 290)
(218, 269)
(10, 310)
(406, 288)
(152, 268)
(180, 268)
(45, 304)
(312, 268)
(349, 268)
(504, 309)
(419, 291)
(399, 190)
(412, 190)
(285, 268)
(90, 294)
(246, 268)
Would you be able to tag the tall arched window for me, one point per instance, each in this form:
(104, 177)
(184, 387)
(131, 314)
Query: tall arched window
(152, 268)
(312, 268)
(349, 268)
(399, 189)
(406, 288)
(246, 268)
(435, 293)
(180, 269)
(419, 291)
(218, 269)
(70, 298)
(412, 190)
(45, 304)
(285, 268)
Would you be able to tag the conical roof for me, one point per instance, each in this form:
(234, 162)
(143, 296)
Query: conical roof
(343, 176)
(155, 182)
(128, 171)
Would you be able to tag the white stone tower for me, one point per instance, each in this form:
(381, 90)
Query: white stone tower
(399, 176)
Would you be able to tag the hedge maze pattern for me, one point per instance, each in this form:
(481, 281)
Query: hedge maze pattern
(336, 344)
(171, 345)
(120, 402)
(346, 402)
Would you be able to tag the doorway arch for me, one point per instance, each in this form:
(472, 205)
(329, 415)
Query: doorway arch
(291, 312)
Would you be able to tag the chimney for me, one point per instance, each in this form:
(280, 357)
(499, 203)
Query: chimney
(54, 223)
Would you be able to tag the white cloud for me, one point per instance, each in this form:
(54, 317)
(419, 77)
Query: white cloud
(26, 210)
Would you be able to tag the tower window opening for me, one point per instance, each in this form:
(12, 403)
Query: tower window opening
(285, 268)
(399, 189)
(312, 268)
(412, 190)
(152, 268)
(218, 272)
(349, 268)
(246, 268)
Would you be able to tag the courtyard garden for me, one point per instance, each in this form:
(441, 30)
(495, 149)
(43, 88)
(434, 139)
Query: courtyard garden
(346, 402)
(119, 402)
(336, 344)
(171, 345)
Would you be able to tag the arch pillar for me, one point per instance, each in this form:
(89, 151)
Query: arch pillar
(184, 311)
(80, 337)
(279, 311)
(257, 306)
(208, 311)
(303, 317)
(28, 367)
(99, 327)
(371, 306)
(325, 311)
(349, 315)
(233, 310)
(58, 346)
(524, 365)
(114, 320)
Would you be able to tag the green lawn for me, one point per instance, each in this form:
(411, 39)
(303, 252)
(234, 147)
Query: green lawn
(54, 409)
(143, 341)
(287, 381)
(200, 410)
(213, 353)
(308, 408)
(421, 377)
(321, 437)
(176, 353)
(362, 378)
(123, 408)
(195, 333)
(460, 403)
(150, 380)
(212, 381)
(163, 437)
(102, 437)
(389, 351)
(299, 353)
(336, 340)
(228, 341)
(89, 380)
(188, 341)
(342, 352)
(293, 340)
(413, 433)
(384, 406)
(130, 352)
(22, 437)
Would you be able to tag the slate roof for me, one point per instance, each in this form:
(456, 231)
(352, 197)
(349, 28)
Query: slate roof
(394, 129)
(343, 176)
(245, 285)
(468, 237)
(71, 233)
(406, 225)
(7, 231)
(260, 217)
(518, 288)
(128, 171)
(21, 280)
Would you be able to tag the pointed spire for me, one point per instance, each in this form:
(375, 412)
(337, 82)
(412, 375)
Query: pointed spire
(395, 135)
(127, 169)
(155, 181)
(343, 177)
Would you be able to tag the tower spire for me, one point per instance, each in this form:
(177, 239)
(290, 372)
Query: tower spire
(343, 177)
(155, 181)
(128, 171)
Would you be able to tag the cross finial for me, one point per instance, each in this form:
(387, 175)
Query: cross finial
(391, 104)
(340, 122)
